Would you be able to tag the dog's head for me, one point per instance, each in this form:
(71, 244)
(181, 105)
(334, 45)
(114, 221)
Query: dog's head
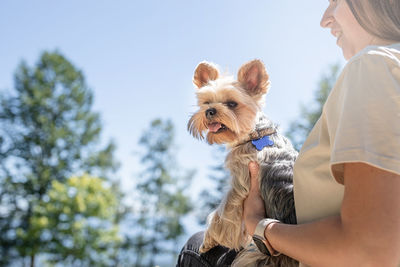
(227, 107)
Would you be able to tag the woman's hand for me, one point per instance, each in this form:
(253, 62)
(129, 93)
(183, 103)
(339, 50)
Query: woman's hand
(253, 207)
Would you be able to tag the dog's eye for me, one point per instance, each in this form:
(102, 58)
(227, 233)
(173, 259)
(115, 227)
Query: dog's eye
(206, 103)
(231, 104)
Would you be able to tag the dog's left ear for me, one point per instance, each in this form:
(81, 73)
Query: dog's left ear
(254, 78)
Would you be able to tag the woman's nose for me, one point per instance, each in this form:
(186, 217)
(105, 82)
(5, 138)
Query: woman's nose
(327, 18)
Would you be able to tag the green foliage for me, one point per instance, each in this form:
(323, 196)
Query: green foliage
(309, 115)
(161, 195)
(73, 221)
(48, 133)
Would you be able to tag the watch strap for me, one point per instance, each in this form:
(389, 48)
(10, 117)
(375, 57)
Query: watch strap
(261, 241)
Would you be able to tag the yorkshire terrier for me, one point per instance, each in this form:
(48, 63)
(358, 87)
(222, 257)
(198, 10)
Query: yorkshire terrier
(230, 112)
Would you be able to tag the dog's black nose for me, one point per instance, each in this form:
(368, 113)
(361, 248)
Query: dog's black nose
(210, 112)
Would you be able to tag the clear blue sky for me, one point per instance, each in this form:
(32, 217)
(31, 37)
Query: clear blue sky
(139, 57)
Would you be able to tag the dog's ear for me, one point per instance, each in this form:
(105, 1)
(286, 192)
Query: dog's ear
(254, 78)
(204, 73)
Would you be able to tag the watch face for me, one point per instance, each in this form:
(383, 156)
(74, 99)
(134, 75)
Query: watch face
(261, 246)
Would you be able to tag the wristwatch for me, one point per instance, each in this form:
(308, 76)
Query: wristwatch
(259, 238)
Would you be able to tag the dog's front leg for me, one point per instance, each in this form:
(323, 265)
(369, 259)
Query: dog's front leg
(225, 225)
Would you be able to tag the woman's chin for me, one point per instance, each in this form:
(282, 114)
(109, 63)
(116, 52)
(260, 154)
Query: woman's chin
(347, 54)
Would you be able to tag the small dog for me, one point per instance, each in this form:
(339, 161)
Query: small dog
(231, 113)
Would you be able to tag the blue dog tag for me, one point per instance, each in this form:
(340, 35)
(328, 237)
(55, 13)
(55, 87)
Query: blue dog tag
(262, 142)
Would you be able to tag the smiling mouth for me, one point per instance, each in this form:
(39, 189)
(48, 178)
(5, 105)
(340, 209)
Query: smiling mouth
(216, 127)
(338, 35)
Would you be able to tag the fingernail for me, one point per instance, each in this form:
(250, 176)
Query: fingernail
(253, 166)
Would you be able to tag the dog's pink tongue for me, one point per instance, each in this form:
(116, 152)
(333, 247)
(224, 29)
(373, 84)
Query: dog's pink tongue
(214, 127)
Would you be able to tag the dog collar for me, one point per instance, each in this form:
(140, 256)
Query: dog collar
(261, 133)
(259, 139)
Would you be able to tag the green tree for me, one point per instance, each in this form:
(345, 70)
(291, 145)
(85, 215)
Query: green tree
(48, 132)
(309, 115)
(75, 222)
(211, 197)
(161, 192)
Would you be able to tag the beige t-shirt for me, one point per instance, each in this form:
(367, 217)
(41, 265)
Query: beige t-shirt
(360, 122)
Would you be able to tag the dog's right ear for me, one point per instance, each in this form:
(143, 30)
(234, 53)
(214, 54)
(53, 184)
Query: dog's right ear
(204, 73)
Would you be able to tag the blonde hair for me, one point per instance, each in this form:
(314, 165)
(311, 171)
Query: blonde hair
(381, 18)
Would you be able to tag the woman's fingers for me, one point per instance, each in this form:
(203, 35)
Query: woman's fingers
(253, 208)
(254, 168)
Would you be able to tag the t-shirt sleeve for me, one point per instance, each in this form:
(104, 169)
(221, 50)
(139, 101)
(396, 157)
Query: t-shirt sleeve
(366, 124)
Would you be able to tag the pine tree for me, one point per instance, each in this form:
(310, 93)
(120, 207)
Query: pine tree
(161, 191)
(48, 132)
(309, 115)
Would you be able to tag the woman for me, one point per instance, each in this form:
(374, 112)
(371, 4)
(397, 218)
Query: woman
(347, 175)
